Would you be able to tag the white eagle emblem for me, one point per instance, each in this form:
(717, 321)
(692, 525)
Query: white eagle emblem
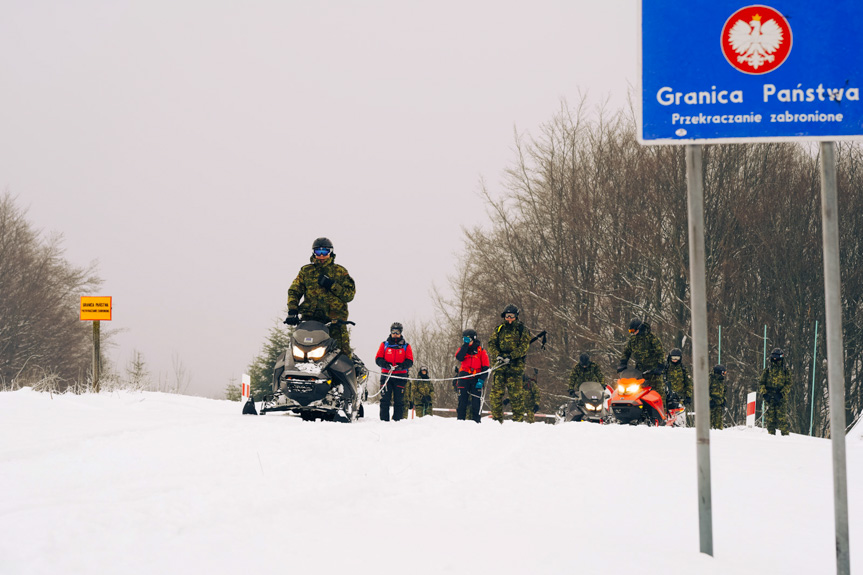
(755, 42)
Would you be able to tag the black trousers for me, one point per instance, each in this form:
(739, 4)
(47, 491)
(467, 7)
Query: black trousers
(395, 392)
(467, 392)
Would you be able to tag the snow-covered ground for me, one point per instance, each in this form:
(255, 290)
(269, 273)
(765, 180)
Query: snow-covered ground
(133, 483)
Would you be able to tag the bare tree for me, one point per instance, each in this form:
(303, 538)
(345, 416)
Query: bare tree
(182, 378)
(40, 333)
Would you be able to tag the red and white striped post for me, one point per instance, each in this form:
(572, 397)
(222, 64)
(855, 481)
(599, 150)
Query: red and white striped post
(750, 409)
(247, 387)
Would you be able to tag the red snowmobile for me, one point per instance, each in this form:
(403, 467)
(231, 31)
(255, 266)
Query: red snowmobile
(634, 401)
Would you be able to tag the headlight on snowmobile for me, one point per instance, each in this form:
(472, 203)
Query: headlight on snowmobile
(299, 354)
(626, 389)
(592, 407)
(317, 353)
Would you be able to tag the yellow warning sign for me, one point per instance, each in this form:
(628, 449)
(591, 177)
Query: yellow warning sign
(95, 308)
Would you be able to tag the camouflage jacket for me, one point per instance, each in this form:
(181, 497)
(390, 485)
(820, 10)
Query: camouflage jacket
(318, 302)
(419, 388)
(775, 384)
(510, 340)
(645, 348)
(717, 389)
(579, 375)
(679, 380)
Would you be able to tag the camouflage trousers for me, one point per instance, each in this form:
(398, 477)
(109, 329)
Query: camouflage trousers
(716, 417)
(775, 417)
(343, 338)
(529, 401)
(507, 381)
(423, 409)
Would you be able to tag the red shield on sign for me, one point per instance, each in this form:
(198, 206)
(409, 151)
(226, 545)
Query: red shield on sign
(756, 39)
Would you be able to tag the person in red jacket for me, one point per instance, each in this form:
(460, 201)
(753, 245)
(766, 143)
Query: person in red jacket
(395, 357)
(472, 374)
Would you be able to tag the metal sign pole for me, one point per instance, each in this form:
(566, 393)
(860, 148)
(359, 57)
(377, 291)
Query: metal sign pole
(812, 395)
(698, 283)
(835, 351)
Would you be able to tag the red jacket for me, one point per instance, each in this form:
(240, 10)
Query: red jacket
(397, 353)
(474, 361)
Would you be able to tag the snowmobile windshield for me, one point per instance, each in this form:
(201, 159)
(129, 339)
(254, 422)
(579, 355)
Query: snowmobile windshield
(310, 334)
(591, 391)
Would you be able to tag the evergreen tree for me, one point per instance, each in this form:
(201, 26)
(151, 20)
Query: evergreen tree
(233, 391)
(261, 369)
(137, 374)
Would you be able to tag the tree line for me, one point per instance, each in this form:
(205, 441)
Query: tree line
(589, 229)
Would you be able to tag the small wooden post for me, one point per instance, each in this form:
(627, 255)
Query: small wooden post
(96, 356)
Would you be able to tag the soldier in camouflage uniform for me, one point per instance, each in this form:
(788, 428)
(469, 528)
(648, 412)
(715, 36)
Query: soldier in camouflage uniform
(717, 396)
(646, 349)
(508, 349)
(531, 397)
(584, 370)
(678, 378)
(774, 387)
(421, 393)
(325, 289)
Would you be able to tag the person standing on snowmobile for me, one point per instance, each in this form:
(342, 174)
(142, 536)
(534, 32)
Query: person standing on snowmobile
(646, 349)
(774, 387)
(678, 378)
(325, 289)
(394, 357)
(717, 396)
(531, 398)
(421, 396)
(584, 370)
(508, 349)
(472, 374)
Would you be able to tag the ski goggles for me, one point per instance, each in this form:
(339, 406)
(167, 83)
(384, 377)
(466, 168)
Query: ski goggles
(509, 316)
(395, 332)
(322, 251)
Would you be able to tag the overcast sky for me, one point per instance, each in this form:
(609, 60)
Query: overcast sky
(195, 149)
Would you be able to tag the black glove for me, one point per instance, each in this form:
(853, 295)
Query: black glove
(535, 408)
(325, 281)
(712, 404)
(426, 399)
(454, 387)
(654, 371)
(621, 367)
(411, 405)
(686, 401)
(292, 318)
(506, 401)
(571, 393)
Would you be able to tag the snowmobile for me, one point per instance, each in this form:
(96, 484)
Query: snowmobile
(634, 402)
(314, 379)
(589, 404)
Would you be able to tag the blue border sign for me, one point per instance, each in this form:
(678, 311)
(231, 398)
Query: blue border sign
(720, 71)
